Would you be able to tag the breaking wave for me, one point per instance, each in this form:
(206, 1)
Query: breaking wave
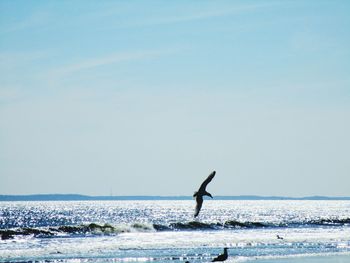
(88, 229)
(233, 224)
(107, 229)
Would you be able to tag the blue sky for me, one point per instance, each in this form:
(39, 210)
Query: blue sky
(148, 97)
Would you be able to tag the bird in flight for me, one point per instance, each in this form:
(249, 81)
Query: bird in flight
(201, 192)
(221, 257)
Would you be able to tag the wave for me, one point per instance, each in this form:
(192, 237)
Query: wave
(195, 225)
(93, 228)
(233, 224)
(106, 229)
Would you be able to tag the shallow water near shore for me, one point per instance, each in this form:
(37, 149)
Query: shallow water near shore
(324, 258)
(165, 231)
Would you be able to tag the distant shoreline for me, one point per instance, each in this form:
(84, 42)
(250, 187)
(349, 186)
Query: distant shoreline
(77, 197)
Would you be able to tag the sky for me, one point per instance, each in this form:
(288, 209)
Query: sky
(149, 97)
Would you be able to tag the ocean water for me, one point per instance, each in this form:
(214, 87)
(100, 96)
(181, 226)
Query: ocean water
(165, 231)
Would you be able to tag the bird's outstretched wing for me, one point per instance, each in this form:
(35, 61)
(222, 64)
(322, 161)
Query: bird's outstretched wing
(199, 201)
(206, 182)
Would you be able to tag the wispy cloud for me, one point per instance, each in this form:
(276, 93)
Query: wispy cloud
(11, 60)
(168, 16)
(109, 60)
(201, 14)
(34, 20)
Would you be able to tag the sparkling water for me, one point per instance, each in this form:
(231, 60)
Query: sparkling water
(165, 231)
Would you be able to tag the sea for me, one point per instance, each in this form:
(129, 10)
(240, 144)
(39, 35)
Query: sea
(166, 231)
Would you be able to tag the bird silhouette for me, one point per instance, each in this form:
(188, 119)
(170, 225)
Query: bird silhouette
(201, 192)
(279, 237)
(221, 257)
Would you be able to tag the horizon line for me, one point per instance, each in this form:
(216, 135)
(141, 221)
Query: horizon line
(81, 197)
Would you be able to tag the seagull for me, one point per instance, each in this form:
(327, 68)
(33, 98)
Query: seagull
(221, 257)
(201, 192)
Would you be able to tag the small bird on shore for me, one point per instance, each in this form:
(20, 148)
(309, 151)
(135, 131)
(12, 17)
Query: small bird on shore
(279, 237)
(221, 257)
(201, 192)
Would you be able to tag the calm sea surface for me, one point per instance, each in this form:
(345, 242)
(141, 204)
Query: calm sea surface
(165, 231)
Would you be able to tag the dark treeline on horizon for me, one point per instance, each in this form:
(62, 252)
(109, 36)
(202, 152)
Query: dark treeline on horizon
(78, 197)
